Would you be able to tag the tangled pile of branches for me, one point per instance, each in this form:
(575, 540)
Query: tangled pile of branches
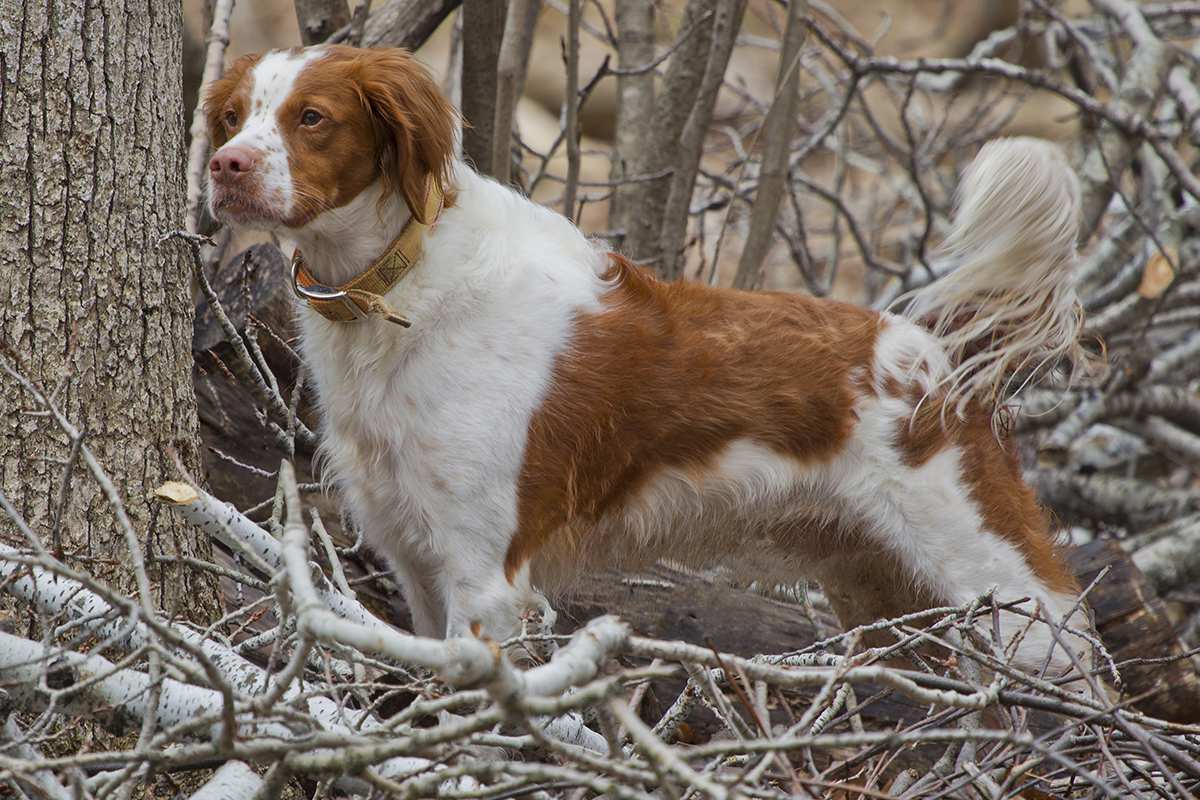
(322, 708)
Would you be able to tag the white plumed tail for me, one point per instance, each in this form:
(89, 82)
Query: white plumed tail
(1008, 311)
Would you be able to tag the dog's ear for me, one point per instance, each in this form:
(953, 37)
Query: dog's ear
(216, 99)
(414, 121)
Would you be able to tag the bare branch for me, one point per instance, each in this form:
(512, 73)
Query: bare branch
(402, 23)
(1137, 95)
(660, 152)
(572, 109)
(777, 134)
(727, 22)
(511, 64)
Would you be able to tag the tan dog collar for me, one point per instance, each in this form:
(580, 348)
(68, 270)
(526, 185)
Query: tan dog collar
(362, 296)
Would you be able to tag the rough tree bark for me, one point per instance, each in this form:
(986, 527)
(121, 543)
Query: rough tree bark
(92, 309)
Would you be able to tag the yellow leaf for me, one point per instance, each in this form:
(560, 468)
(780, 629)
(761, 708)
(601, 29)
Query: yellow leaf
(176, 492)
(1157, 276)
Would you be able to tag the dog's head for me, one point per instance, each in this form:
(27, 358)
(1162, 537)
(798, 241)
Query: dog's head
(300, 132)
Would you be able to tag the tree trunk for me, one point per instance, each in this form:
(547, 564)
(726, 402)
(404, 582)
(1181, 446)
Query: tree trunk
(483, 30)
(635, 97)
(92, 310)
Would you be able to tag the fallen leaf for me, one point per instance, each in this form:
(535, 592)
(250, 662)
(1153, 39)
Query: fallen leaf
(176, 492)
(1157, 276)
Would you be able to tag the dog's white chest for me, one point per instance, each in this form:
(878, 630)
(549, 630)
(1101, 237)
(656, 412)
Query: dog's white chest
(426, 433)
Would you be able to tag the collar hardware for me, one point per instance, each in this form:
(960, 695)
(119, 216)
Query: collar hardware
(362, 297)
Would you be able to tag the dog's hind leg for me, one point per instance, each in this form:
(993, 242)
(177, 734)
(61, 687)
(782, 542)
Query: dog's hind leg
(944, 552)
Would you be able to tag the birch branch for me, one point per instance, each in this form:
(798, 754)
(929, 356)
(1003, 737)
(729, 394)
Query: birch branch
(214, 62)
(234, 780)
(60, 596)
(1172, 561)
(89, 685)
(239, 533)
(1176, 403)
(1112, 498)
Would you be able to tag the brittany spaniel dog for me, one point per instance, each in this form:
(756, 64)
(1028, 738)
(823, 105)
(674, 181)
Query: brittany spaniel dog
(505, 404)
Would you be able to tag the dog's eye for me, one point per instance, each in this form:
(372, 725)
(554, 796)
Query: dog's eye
(231, 119)
(310, 117)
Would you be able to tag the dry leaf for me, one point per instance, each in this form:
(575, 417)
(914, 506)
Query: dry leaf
(1157, 276)
(176, 492)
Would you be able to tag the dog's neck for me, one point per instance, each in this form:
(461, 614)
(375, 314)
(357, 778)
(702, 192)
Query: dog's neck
(343, 242)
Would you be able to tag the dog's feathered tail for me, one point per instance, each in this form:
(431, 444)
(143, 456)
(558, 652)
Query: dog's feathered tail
(1008, 312)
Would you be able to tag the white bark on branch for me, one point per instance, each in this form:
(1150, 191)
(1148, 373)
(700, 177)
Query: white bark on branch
(234, 780)
(1176, 403)
(1171, 438)
(1173, 561)
(57, 596)
(214, 61)
(1122, 500)
(238, 532)
(89, 685)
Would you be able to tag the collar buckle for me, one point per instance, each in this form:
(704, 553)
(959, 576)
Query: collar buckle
(364, 295)
(320, 293)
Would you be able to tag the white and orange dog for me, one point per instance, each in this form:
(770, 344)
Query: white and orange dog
(504, 404)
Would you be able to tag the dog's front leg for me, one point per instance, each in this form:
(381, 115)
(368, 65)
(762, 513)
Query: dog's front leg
(481, 604)
(423, 597)
(479, 599)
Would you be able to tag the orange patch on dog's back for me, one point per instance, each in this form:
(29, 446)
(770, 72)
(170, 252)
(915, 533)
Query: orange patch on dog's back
(666, 377)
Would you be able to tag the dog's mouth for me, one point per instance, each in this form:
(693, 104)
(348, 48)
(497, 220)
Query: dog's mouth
(243, 209)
